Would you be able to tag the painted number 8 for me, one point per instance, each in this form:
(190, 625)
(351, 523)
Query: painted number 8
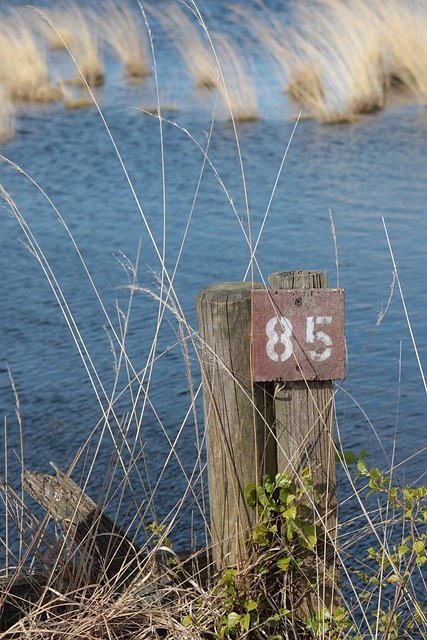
(311, 337)
(284, 337)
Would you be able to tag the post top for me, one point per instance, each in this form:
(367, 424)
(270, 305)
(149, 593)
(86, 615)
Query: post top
(223, 290)
(300, 279)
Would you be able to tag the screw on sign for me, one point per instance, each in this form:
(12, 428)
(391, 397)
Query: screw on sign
(298, 334)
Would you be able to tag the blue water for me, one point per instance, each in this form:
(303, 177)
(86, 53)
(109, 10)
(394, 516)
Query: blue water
(374, 168)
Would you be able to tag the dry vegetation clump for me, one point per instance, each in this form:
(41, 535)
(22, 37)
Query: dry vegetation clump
(306, 86)
(24, 71)
(405, 46)
(194, 51)
(53, 30)
(341, 42)
(237, 86)
(305, 74)
(125, 33)
(71, 593)
(82, 37)
(271, 35)
(341, 59)
(7, 117)
(358, 29)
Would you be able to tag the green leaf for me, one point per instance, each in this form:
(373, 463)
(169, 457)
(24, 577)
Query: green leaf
(348, 456)
(286, 498)
(233, 619)
(361, 465)
(306, 474)
(228, 578)
(245, 621)
(250, 494)
(260, 535)
(418, 547)
(290, 513)
(284, 563)
(283, 481)
(269, 484)
(187, 621)
(309, 535)
(251, 605)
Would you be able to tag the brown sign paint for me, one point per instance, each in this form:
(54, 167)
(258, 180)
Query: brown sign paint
(298, 334)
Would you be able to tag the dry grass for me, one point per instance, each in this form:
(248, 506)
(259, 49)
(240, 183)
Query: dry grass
(237, 85)
(81, 102)
(80, 27)
(125, 33)
(7, 117)
(341, 42)
(24, 72)
(181, 25)
(405, 45)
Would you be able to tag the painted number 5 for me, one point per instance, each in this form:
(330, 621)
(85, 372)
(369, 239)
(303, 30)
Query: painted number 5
(312, 336)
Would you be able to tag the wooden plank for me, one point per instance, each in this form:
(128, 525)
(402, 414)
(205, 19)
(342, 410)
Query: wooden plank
(86, 524)
(238, 415)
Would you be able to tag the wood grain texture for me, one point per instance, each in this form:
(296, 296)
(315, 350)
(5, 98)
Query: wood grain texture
(304, 423)
(86, 524)
(238, 415)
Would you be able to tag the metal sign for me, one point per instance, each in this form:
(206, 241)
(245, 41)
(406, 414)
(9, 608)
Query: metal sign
(298, 334)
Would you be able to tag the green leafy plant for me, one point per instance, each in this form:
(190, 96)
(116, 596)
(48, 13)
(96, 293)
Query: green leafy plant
(393, 573)
(263, 598)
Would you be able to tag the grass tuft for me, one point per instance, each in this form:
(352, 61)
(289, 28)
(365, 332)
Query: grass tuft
(24, 71)
(80, 26)
(237, 86)
(124, 33)
(181, 25)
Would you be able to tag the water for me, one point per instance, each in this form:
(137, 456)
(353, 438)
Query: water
(361, 172)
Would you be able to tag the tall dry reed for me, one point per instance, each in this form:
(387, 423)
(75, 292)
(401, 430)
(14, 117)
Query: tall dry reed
(237, 85)
(182, 27)
(24, 72)
(124, 32)
(77, 27)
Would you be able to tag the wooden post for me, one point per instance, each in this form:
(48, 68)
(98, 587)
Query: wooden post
(304, 423)
(238, 415)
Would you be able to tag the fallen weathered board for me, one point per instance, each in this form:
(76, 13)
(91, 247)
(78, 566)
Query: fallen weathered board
(86, 524)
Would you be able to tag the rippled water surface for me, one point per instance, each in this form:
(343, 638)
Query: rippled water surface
(362, 172)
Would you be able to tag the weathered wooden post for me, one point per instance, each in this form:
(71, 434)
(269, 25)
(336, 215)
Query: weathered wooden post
(299, 342)
(238, 415)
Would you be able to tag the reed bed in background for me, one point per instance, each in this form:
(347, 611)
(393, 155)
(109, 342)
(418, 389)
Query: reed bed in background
(195, 52)
(85, 44)
(124, 32)
(336, 60)
(404, 38)
(7, 117)
(24, 73)
(237, 85)
(345, 48)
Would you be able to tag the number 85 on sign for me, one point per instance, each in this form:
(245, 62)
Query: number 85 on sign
(298, 334)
